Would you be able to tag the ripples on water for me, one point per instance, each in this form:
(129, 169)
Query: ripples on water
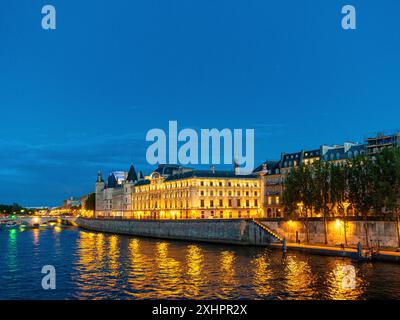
(101, 266)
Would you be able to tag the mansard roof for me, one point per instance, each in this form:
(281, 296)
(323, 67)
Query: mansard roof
(340, 152)
(209, 174)
(142, 182)
(167, 169)
(271, 165)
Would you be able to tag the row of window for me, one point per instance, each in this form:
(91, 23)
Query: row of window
(193, 184)
(228, 193)
(187, 194)
(337, 156)
(220, 203)
(203, 204)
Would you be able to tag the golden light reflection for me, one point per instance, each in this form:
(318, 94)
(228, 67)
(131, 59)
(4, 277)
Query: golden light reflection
(227, 266)
(113, 254)
(140, 271)
(343, 282)
(194, 260)
(262, 275)
(35, 234)
(87, 256)
(300, 280)
(135, 255)
(99, 245)
(169, 272)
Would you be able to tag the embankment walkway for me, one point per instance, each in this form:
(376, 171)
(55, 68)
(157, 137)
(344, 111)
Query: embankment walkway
(374, 255)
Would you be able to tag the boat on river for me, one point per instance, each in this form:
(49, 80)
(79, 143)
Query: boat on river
(12, 224)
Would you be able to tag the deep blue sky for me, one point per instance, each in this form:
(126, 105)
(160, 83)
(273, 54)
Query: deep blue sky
(82, 97)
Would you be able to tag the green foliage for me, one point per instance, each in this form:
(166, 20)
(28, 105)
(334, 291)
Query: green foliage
(14, 208)
(371, 185)
(90, 203)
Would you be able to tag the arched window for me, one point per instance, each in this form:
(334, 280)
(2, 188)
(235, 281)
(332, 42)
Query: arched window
(350, 154)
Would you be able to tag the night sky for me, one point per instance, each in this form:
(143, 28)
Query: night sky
(82, 97)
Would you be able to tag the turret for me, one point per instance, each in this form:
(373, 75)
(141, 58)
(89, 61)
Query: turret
(132, 176)
(99, 176)
(111, 181)
(100, 186)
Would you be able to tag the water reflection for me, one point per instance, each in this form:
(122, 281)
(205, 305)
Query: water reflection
(168, 273)
(300, 279)
(195, 260)
(343, 282)
(12, 250)
(262, 275)
(228, 277)
(103, 266)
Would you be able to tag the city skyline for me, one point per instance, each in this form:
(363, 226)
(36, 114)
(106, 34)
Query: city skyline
(108, 77)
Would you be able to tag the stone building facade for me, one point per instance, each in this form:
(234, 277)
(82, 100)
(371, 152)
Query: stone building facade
(175, 192)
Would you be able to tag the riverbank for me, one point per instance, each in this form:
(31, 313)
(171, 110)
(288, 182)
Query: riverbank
(379, 255)
(225, 231)
(370, 233)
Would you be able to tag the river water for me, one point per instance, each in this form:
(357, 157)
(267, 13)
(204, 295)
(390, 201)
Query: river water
(92, 265)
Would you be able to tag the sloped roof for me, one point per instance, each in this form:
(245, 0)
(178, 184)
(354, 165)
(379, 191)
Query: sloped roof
(132, 176)
(111, 181)
(340, 153)
(209, 174)
(271, 165)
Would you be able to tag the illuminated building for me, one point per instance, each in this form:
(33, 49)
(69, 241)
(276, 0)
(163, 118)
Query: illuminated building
(274, 172)
(273, 188)
(340, 154)
(382, 140)
(175, 192)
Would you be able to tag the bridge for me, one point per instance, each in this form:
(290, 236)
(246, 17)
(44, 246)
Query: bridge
(34, 220)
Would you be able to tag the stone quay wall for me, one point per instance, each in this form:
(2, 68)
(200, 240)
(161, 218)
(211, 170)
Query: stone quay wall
(227, 231)
(378, 233)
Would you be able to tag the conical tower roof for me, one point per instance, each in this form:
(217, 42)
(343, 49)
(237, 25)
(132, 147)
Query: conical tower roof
(112, 181)
(141, 177)
(132, 176)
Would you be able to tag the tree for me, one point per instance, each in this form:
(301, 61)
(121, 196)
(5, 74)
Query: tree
(361, 186)
(338, 193)
(298, 195)
(90, 203)
(321, 187)
(387, 185)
